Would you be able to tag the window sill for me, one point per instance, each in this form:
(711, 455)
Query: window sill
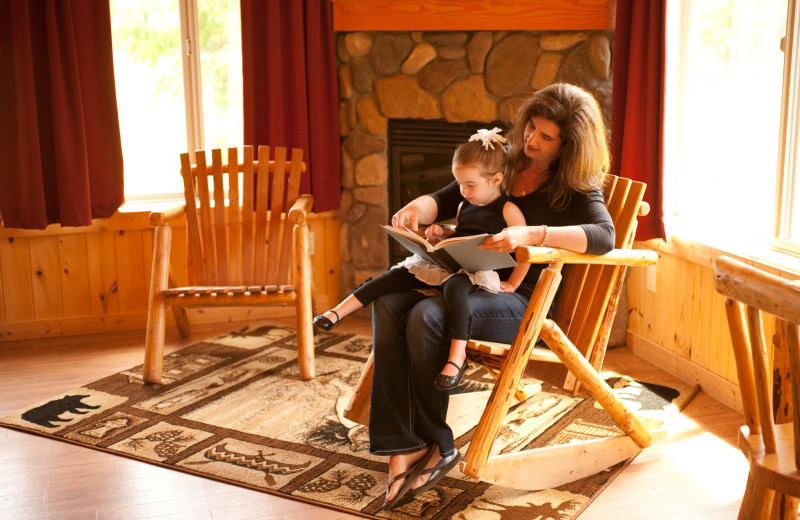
(703, 250)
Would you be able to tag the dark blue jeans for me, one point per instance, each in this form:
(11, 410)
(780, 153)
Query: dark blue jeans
(407, 413)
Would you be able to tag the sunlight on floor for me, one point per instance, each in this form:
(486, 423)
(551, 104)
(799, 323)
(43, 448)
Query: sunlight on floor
(714, 465)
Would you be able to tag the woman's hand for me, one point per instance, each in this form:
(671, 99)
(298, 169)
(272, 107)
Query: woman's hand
(512, 237)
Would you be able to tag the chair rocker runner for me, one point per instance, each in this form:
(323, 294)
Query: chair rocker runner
(577, 337)
(246, 247)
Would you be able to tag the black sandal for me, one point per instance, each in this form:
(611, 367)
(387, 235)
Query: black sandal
(324, 323)
(444, 382)
(437, 472)
(410, 475)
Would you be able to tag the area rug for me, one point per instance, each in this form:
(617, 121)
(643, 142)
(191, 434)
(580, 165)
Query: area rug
(232, 408)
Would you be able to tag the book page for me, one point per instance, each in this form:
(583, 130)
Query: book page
(473, 259)
(406, 234)
(448, 241)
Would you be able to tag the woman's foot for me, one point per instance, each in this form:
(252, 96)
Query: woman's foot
(436, 468)
(323, 321)
(403, 472)
(451, 375)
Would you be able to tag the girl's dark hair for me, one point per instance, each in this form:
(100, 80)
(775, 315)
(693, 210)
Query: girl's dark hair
(489, 161)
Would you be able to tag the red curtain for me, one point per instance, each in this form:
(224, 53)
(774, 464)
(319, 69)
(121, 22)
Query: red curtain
(290, 89)
(60, 146)
(637, 103)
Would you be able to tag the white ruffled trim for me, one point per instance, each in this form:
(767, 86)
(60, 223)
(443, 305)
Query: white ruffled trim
(432, 274)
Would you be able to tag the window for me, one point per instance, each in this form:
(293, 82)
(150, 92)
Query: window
(178, 76)
(722, 119)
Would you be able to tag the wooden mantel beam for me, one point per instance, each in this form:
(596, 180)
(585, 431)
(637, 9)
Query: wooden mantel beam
(472, 15)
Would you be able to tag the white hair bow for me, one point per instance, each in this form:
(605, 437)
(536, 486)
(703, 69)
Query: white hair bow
(489, 137)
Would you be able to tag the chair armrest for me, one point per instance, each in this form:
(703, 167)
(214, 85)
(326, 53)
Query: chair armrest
(300, 209)
(548, 255)
(158, 218)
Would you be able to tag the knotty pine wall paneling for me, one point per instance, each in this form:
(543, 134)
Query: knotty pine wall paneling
(67, 281)
(682, 326)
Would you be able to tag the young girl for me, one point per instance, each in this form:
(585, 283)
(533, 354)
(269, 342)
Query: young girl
(480, 167)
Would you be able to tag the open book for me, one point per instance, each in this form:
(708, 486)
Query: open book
(453, 254)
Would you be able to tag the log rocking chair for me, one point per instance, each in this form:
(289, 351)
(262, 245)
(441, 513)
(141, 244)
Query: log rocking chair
(577, 336)
(247, 245)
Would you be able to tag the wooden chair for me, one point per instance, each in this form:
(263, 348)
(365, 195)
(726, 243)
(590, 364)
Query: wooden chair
(577, 337)
(773, 483)
(247, 244)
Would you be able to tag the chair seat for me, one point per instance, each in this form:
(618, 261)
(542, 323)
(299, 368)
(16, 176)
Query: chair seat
(228, 290)
(255, 295)
(491, 354)
(778, 469)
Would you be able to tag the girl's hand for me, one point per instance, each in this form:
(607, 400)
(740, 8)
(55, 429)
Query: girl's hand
(507, 287)
(434, 233)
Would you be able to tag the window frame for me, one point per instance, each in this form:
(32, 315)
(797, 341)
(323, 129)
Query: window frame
(192, 75)
(775, 250)
(788, 153)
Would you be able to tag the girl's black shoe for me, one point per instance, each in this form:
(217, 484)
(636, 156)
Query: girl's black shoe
(444, 382)
(324, 323)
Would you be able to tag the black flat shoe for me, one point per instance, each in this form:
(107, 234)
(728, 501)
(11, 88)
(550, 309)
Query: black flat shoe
(444, 382)
(441, 469)
(324, 323)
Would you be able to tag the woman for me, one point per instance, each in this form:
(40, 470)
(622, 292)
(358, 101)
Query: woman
(558, 145)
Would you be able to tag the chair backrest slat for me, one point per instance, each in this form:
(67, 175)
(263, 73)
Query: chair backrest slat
(762, 368)
(275, 210)
(206, 221)
(248, 227)
(292, 192)
(234, 219)
(196, 270)
(220, 218)
(262, 191)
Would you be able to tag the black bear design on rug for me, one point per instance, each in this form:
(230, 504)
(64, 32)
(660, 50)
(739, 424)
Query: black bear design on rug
(49, 413)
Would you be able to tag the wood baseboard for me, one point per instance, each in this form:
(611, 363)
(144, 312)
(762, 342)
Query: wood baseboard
(724, 391)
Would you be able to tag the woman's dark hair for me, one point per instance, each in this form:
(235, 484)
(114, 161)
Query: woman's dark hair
(584, 159)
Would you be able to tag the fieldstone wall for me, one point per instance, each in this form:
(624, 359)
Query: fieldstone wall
(453, 76)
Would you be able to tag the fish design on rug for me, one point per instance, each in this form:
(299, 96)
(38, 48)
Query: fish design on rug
(48, 413)
(259, 462)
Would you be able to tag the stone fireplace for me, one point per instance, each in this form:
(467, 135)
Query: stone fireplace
(469, 78)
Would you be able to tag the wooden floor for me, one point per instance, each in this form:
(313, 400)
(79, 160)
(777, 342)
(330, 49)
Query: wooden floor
(696, 473)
